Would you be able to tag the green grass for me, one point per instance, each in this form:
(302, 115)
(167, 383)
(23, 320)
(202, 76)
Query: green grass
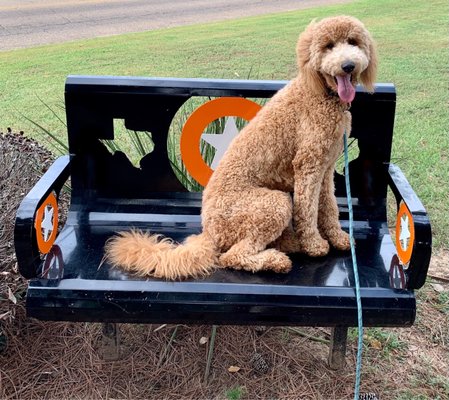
(235, 393)
(443, 299)
(412, 40)
(382, 340)
(388, 339)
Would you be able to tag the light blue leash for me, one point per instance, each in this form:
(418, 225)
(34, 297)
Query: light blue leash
(356, 274)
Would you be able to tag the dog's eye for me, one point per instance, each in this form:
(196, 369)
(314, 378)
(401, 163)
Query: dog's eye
(352, 42)
(330, 46)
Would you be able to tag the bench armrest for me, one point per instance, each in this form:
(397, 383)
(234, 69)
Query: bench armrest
(422, 244)
(25, 232)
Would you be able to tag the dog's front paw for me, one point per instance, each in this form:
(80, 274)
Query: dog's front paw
(316, 247)
(340, 240)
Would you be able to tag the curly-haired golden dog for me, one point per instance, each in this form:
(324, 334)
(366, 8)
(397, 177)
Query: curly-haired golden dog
(249, 218)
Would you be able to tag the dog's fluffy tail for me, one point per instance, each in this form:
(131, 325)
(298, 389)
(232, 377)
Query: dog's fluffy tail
(147, 254)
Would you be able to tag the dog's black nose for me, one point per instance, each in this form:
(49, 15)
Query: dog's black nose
(348, 66)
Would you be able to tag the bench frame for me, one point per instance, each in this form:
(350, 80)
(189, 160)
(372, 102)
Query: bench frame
(90, 102)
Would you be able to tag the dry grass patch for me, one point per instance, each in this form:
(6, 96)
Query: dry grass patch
(62, 360)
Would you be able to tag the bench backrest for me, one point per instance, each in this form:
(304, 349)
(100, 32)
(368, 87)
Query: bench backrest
(150, 104)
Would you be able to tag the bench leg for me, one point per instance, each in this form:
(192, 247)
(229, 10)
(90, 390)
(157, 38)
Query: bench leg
(337, 350)
(110, 342)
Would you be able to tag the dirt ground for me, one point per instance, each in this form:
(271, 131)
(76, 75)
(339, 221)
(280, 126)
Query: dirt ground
(63, 360)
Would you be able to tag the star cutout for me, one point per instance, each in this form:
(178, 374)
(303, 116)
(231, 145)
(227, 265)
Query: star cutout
(221, 142)
(405, 232)
(47, 222)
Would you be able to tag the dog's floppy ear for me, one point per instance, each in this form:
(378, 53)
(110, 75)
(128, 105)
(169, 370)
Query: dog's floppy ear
(368, 77)
(310, 76)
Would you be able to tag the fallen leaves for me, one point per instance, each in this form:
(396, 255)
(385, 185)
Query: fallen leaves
(375, 344)
(5, 315)
(438, 287)
(11, 296)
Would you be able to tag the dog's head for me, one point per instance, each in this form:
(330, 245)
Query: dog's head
(336, 53)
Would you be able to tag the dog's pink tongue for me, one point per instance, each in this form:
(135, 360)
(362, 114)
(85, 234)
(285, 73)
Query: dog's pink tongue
(346, 91)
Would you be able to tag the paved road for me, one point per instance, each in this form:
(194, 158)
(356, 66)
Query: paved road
(27, 23)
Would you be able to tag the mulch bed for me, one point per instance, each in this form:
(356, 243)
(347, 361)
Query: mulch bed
(22, 162)
(63, 360)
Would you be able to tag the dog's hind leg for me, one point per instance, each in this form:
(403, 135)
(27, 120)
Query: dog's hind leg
(244, 255)
(261, 217)
(288, 242)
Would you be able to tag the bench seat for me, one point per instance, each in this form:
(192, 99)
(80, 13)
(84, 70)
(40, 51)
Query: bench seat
(80, 290)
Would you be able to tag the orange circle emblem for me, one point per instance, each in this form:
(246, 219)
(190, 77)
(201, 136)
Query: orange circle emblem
(405, 234)
(197, 123)
(46, 223)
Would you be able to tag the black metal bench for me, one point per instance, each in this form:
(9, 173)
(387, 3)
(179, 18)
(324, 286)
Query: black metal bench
(108, 194)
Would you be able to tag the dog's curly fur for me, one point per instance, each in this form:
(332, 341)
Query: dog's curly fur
(249, 218)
